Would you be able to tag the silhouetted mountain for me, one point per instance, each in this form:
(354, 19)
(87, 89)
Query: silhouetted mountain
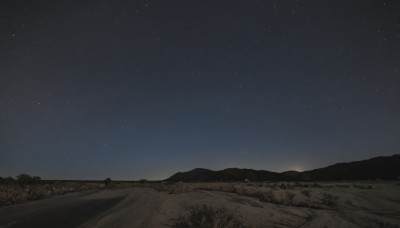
(231, 174)
(385, 168)
(193, 175)
(235, 174)
(291, 175)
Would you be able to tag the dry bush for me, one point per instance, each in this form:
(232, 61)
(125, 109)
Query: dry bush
(316, 185)
(359, 186)
(16, 193)
(207, 217)
(306, 193)
(180, 188)
(290, 197)
(342, 186)
(268, 197)
(329, 199)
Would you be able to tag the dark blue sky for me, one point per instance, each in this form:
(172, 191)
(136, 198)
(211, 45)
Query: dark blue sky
(143, 89)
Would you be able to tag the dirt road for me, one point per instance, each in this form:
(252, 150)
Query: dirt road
(134, 207)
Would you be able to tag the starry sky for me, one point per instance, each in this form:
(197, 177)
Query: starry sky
(146, 88)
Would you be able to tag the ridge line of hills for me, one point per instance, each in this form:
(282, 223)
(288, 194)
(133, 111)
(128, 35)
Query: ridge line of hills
(383, 167)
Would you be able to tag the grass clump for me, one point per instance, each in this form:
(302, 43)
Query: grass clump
(207, 217)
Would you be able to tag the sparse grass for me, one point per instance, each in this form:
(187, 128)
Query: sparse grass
(207, 217)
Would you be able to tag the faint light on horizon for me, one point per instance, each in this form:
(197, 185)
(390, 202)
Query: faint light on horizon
(296, 168)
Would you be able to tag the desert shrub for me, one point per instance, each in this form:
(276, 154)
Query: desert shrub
(289, 197)
(283, 186)
(268, 197)
(329, 199)
(359, 186)
(381, 224)
(25, 179)
(316, 185)
(180, 188)
(207, 217)
(297, 184)
(306, 193)
(161, 187)
(239, 189)
(342, 186)
(37, 179)
(274, 186)
(290, 186)
(7, 180)
(17, 193)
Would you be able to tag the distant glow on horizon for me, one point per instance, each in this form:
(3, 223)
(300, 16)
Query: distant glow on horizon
(297, 168)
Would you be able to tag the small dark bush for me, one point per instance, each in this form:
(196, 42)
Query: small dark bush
(289, 197)
(315, 185)
(329, 199)
(269, 197)
(307, 193)
(359, 186)
(25, 179)
(107, 181)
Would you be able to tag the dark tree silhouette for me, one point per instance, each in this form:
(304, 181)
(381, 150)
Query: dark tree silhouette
(107, 181)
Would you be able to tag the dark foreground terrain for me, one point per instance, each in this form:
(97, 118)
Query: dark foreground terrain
(70, 210)
(263, 204)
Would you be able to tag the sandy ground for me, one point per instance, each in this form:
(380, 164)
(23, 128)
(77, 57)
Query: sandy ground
(147, 207)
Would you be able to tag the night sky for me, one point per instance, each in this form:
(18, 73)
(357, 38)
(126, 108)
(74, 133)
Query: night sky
(143, 89)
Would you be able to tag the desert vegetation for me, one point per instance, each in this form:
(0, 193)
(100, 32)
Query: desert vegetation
(310, 197)
(322, 195)
(203, 216)
(232, 204)
(25, 188)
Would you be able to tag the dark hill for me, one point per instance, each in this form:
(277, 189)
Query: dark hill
(291, 175)
(385, 168)
(235, 174)
(193, 175)
(231, 174)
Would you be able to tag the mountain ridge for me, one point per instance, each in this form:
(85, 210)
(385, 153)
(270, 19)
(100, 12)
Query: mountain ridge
(381, 167)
